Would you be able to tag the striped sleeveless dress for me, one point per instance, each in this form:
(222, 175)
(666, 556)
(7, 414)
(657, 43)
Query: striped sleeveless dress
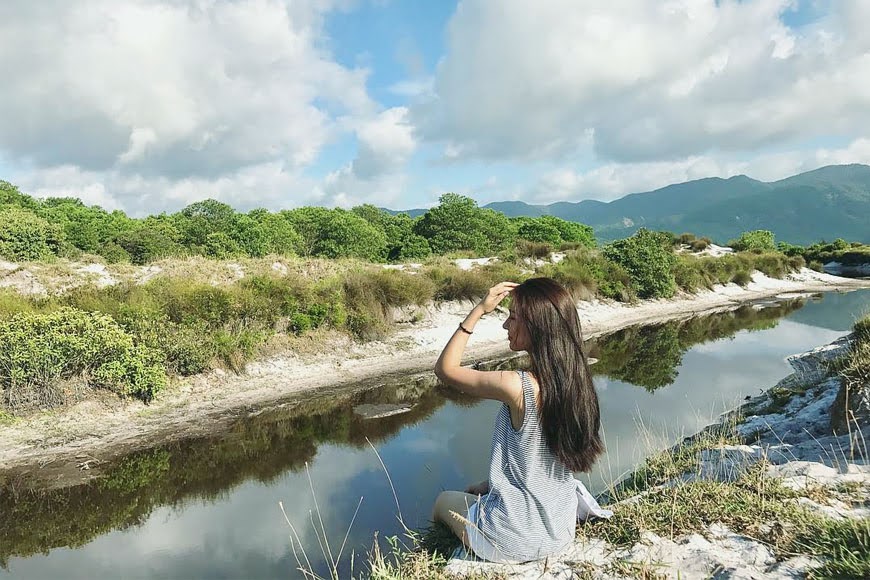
(531, 508)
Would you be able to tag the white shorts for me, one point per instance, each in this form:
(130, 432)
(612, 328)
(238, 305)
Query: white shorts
(480, 545)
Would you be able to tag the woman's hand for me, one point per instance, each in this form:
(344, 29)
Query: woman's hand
(481, 488)
(495, 295)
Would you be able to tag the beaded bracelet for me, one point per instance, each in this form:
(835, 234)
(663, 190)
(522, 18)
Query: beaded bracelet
(463, 329)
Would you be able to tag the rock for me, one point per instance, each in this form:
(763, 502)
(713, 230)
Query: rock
(812, 366)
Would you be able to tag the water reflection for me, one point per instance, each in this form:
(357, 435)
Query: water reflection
(208, 507)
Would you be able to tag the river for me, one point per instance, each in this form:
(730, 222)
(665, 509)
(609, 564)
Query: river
(208, 508)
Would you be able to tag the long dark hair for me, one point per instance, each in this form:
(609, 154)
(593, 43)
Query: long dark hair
(568, 407)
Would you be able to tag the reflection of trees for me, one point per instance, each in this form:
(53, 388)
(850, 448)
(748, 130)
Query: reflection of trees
(649, 356)
(260, 448)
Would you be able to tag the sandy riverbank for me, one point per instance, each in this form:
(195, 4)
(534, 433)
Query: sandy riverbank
(93, 432)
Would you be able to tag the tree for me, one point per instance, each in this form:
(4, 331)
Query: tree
(26, 236)
(152, 238)
(337, 233)
(458, 224)
(198, 220)
(280, 236)
(648, 258)
(754, 241)
(572, 232)
(9, 195)
(89, 229)
(402, 243)
(537, 230)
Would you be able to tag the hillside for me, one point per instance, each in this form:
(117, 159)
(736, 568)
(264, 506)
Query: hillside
(826, 203)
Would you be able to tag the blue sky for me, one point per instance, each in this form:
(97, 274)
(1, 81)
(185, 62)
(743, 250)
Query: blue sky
(148, 105)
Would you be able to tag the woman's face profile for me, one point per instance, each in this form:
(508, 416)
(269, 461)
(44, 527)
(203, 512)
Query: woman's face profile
(518, 337)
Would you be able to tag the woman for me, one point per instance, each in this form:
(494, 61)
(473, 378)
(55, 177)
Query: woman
(547, 428)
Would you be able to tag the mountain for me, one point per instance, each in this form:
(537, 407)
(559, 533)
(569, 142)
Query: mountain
(826, 203)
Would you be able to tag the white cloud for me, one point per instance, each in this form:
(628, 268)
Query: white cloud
(385, 142)
(653, 80)
(189, 95)
(613, 180)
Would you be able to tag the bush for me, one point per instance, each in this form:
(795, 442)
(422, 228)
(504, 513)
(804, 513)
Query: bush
(587, 273)
(648, 258)
(370, 296)
(742, 278)
(817, 266)
(38, 351)
(539, 250)
(754, 241)
(26, 236)
(700, 244)
(114, 253)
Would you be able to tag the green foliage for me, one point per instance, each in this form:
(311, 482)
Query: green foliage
(279, 235)
(538, 230)
(648, 258)
(9, 195)
(587, 273)
(742, 278)
(457, 224)
(754, 241)
(39, 350)
(153, 238)
(370, 296)
(88, 229)
(26, 236)
(527, 249)
(337, 233)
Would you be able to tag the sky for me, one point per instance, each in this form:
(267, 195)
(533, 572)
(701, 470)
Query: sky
(150, 105)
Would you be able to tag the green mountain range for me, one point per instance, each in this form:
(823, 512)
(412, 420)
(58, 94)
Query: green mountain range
(827, 203)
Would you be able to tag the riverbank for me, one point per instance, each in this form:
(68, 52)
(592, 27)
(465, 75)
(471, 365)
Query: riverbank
(769, 491)
(60, 444)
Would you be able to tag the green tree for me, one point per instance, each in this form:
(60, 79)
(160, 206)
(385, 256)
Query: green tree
(26, 236)
(89, 229)
(9, 195)
(152, 238)
(457, 223)
(538, 230)
(754, 241)
(337, 233)
(571, 231)
(280, 236)
(198, 220)
(648, 258)
(402, 243)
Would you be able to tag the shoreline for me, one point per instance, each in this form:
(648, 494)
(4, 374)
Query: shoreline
(785, 453)
(56, 444)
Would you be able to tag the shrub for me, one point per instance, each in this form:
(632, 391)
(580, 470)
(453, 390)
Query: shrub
(528, 249)
(542, 232)
(38, 351)
(26, 236)
(688, 274)
(587, 273)
(456, 224)
(114, 253)
(370, 296)
(817, 266)
(754, 241)
(648, 258)
(700, 244)
(742, 278)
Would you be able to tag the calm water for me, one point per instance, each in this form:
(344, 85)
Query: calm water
(209, 508)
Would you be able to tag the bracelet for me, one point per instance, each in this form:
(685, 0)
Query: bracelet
(463, 329)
